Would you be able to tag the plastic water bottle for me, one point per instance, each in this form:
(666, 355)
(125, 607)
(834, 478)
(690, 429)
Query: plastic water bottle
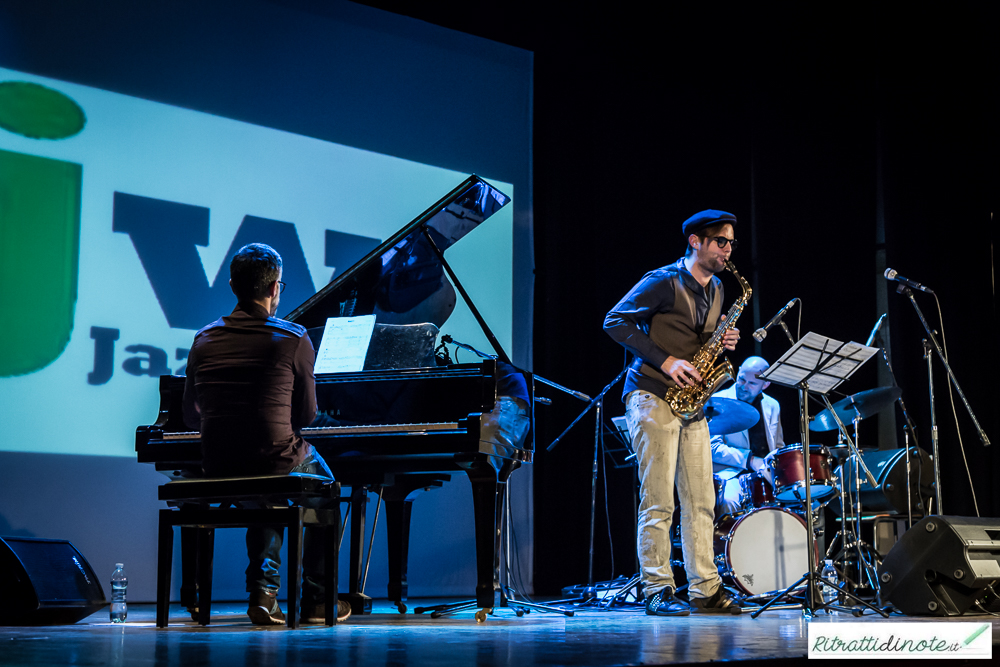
(119, 582)
(829, 577)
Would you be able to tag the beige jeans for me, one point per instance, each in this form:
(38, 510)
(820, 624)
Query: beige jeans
(669, 450)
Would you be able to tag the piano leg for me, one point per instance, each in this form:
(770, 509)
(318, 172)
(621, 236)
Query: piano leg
(360, 603)
(399, 499)
(487, 502)
(397, 528)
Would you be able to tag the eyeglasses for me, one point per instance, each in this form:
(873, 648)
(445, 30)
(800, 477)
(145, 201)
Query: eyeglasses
(281, 285)
(722, 241)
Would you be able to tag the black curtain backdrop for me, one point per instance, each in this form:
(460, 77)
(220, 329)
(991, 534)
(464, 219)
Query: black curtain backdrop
(825, 131)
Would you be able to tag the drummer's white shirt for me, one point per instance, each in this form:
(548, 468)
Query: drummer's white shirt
(730, 452)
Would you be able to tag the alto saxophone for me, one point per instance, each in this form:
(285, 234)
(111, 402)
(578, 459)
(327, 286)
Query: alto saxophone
(686, 402)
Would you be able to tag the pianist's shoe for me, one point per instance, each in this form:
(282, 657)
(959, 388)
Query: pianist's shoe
(263, 608)
(316, 612)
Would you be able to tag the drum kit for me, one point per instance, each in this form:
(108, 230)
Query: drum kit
(761, 548)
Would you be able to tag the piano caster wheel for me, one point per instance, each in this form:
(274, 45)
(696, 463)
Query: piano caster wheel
(481, 615)
(401, 607)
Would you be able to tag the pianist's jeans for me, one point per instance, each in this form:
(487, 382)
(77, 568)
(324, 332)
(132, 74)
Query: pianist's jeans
(264, 547)
(668, 451)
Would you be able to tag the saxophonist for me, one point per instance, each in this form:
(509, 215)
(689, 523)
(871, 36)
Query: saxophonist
(664, 321)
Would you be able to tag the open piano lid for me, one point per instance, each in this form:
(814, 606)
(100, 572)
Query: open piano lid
(402, 281)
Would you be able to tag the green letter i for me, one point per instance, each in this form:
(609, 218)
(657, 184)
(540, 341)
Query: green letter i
(39, 230)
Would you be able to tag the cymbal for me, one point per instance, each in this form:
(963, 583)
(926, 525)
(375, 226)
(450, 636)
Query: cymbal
(729, 415)
(863, 404)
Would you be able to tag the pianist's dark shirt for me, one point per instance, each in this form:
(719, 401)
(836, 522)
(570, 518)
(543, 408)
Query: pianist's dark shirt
(252, 377)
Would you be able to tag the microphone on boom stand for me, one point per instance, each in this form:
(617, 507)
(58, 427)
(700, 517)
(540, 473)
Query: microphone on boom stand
(891, 274)
(761, 333)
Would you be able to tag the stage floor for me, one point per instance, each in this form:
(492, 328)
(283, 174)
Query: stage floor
(591, 637)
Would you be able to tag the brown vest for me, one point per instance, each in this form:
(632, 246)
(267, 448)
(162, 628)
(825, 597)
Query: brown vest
(677, 331)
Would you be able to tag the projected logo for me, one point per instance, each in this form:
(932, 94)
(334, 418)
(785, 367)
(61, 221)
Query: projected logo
(39, 228)
(118, 220)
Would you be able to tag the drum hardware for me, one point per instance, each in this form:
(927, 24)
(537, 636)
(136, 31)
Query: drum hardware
(815, 364)
(850, 503)
(854, 492)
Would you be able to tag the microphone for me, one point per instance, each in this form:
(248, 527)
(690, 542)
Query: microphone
(761, 333)
(892, 275)
(878, 325)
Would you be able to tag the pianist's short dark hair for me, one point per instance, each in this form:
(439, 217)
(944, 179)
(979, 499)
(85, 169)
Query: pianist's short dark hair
(253, 269)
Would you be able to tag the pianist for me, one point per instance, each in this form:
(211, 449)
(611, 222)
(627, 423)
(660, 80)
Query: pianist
(250, 389)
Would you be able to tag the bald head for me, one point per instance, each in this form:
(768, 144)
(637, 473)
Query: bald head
(748, 385)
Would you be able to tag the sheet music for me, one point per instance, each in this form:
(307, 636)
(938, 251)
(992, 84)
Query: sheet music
(345, 344)
(837, 361)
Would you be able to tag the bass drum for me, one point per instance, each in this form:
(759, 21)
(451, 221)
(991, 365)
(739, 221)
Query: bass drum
(763, 551)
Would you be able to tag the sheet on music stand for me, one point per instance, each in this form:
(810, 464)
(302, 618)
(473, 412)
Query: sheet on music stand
(345, 344)
(822, 362)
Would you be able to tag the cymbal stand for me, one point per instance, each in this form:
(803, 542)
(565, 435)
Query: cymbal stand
(846, 534)
(851, 510)
(864, 561)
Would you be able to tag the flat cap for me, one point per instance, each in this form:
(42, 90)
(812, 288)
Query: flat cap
(707, 218)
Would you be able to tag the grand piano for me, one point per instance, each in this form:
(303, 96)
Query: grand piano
(407, 422)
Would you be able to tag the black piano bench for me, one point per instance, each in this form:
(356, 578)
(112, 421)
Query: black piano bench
(241, 502)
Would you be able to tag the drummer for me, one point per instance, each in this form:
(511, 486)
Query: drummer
(751, 450)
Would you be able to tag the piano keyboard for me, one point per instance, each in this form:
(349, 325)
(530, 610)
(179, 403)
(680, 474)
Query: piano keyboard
(363, 429)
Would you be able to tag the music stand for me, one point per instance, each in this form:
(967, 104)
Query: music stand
(814, 364)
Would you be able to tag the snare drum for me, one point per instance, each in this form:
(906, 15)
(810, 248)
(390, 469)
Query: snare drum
(763, 551)
(789, 474)
(755, 492)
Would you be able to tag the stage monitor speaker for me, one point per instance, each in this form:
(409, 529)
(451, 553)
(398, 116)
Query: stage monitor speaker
(942, 566)
(888, 466)
(52, 583)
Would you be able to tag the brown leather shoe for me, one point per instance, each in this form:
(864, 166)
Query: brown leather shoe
(263, 608)
(316, 613)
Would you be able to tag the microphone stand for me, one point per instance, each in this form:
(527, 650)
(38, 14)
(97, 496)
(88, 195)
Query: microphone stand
(590, 591)
(508, 594)
(903, 289)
